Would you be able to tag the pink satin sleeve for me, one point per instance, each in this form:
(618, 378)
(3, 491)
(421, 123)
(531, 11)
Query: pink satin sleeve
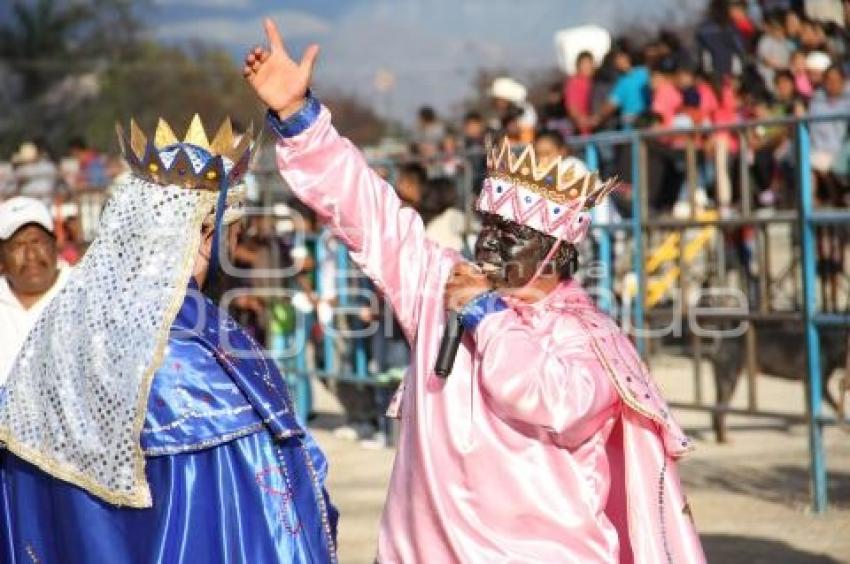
(548, 383)
(386, 240)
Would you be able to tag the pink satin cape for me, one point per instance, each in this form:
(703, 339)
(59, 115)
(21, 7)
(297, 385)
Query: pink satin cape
(549, 442)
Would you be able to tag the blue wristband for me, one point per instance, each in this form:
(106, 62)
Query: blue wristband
(298, 122)
(480, 307)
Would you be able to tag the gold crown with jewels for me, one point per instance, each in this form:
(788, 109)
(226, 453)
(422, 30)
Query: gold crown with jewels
(194, 162)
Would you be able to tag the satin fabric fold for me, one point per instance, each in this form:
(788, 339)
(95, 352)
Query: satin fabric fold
(228, 505)
(234, 478)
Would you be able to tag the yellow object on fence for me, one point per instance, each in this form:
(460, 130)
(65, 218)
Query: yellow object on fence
(668, 252)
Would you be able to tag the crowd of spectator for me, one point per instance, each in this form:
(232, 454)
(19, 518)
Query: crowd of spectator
(34, 172)
(745, 61)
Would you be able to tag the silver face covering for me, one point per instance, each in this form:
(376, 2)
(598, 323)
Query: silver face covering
(76, 399)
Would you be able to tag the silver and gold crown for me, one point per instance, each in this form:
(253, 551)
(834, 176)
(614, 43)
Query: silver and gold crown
(194, 162)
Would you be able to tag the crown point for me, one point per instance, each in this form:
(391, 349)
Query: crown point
(196, 134)
(164, 136)
(222, 143)
(138, 141)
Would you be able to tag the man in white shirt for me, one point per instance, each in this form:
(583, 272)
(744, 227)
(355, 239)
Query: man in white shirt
(29, 272)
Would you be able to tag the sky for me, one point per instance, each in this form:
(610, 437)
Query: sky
(432, 48)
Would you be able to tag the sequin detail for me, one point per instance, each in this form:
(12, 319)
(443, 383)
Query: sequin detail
(662, 523)
(76, 402)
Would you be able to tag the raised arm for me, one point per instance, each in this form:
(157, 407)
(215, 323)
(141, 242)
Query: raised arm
(331, 176)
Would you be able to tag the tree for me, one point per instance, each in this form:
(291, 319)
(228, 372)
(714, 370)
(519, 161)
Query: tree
(169, 82)
(75, 68)
(354, 119)
(52, 51)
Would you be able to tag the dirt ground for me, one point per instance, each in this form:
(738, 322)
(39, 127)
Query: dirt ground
(750, 498)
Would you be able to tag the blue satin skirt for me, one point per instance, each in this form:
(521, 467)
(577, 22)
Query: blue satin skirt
(251, 500)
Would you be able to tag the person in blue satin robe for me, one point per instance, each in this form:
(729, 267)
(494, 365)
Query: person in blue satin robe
(234, 477)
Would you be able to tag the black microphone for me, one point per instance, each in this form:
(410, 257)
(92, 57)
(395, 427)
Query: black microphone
(449, 345)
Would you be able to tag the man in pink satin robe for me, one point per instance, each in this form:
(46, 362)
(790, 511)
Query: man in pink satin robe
(549, 441)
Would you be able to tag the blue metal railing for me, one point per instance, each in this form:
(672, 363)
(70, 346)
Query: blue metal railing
(809, 221)
(806, 218)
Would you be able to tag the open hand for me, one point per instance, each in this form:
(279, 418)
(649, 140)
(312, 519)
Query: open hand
(465, 283)
(279, 81)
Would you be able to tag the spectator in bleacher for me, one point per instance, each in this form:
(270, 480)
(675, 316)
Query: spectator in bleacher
(72, 246)
(512, 128)
(799, 67)
(793, 27)
(812, 36)
(553, 113)
(689, 114)
(444, 222)
(708, 101)
(449, 162)
(742, 21)
(666, 97)
(411, 184)
(30, 273)
(676, 49)
(787, 102)
(828, 137)
(36, 175)
(429, 127)
(91, 165)
(510, 99)
(548, 146)
(774, 50)
(474, 132)
(786, 96)
(578, 91)
(721, 48)
(430, 131)
(764, 141)
(836, 41)
(631, 92)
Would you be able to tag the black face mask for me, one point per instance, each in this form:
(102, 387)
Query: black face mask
(509, 253)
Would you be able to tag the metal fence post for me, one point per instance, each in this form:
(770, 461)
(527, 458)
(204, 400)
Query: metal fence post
(638, 193)
(602, 215)
(817, 464)
(302, 387)
(344, 281)
(328, 344)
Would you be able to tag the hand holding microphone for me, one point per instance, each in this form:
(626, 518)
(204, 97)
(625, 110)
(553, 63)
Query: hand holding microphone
(466, 282)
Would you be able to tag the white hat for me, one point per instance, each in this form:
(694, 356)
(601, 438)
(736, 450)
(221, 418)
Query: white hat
(28, 153)
(818, 61)
(506, 88)
(20, 211)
